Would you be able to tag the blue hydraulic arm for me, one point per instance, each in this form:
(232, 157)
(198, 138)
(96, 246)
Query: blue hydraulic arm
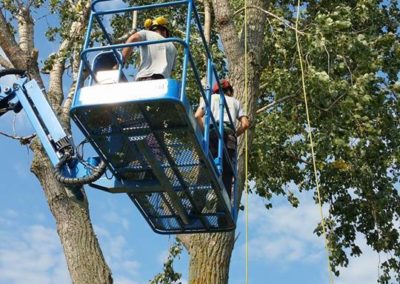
(26, 94)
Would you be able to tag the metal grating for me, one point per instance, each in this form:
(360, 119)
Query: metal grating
(189, 199)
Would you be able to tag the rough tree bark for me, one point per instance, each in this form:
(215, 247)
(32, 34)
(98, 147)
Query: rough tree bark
(69, 207)
(210, 254)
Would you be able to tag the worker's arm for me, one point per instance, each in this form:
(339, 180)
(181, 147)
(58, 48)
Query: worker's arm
(244, 124)
(127, 51)
(199, 117)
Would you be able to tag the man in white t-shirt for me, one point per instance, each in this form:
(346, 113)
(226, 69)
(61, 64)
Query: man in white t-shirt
(156, 60)
(230, 134)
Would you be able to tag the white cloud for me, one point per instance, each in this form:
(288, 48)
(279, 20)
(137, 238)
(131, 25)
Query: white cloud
(11, 213)
(363, 269)
(114, 218)
(118, 253)
(130, 265)
(124, 280)
(284, 234)
(117, 246)
(116, 4)
(32, 256)
(40, 217)
(163, 256)
(21, 169)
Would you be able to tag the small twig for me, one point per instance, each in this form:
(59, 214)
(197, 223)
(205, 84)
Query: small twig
(264, 85)
(329, 60)
(23, 140)
(326, 109)
(236, 238)
(348, 68)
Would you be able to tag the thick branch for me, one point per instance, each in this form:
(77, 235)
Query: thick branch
(24, 55)
(55, 83)
(25, 29)
(67, 104)
(5, 63)
(67, 47)
(207, 21)
(10, 46)
(275, 103)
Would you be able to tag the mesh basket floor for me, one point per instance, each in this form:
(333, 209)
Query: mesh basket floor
(150, 141)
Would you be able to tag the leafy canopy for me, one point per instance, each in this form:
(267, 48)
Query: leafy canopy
(351, 51)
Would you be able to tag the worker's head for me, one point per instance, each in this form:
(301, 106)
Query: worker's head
(226, 87)
(159, 24)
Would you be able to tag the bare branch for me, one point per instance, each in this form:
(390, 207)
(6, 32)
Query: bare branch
(282, 20)
(134, 19)
(67, 104)
(326, 109)
(57, 71)
(22, 139)
(275, 103)
(348, 68)
(207, 20)
(55, 85)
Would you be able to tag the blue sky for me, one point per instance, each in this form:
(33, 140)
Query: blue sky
(282, 247)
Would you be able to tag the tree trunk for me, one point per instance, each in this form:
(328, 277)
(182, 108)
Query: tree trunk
(210, 256)
(69, 207)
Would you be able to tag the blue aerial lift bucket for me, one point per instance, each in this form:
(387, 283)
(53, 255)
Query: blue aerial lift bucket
(146, 134)
(148, 143)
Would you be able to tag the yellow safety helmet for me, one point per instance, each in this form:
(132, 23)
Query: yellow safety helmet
(159, 21)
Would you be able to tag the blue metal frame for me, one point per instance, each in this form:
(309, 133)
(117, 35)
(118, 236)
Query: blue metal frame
(48, 128)
(173, 187)
(188, 61)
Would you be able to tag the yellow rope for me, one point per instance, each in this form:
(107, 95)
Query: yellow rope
(246, 143)
(331, 277)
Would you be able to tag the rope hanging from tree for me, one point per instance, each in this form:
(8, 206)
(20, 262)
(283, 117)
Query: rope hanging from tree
(331, 277)
(297, 32)
(246, 189)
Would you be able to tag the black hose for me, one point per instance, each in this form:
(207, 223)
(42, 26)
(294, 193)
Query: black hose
(12, 71)
(95, 175)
